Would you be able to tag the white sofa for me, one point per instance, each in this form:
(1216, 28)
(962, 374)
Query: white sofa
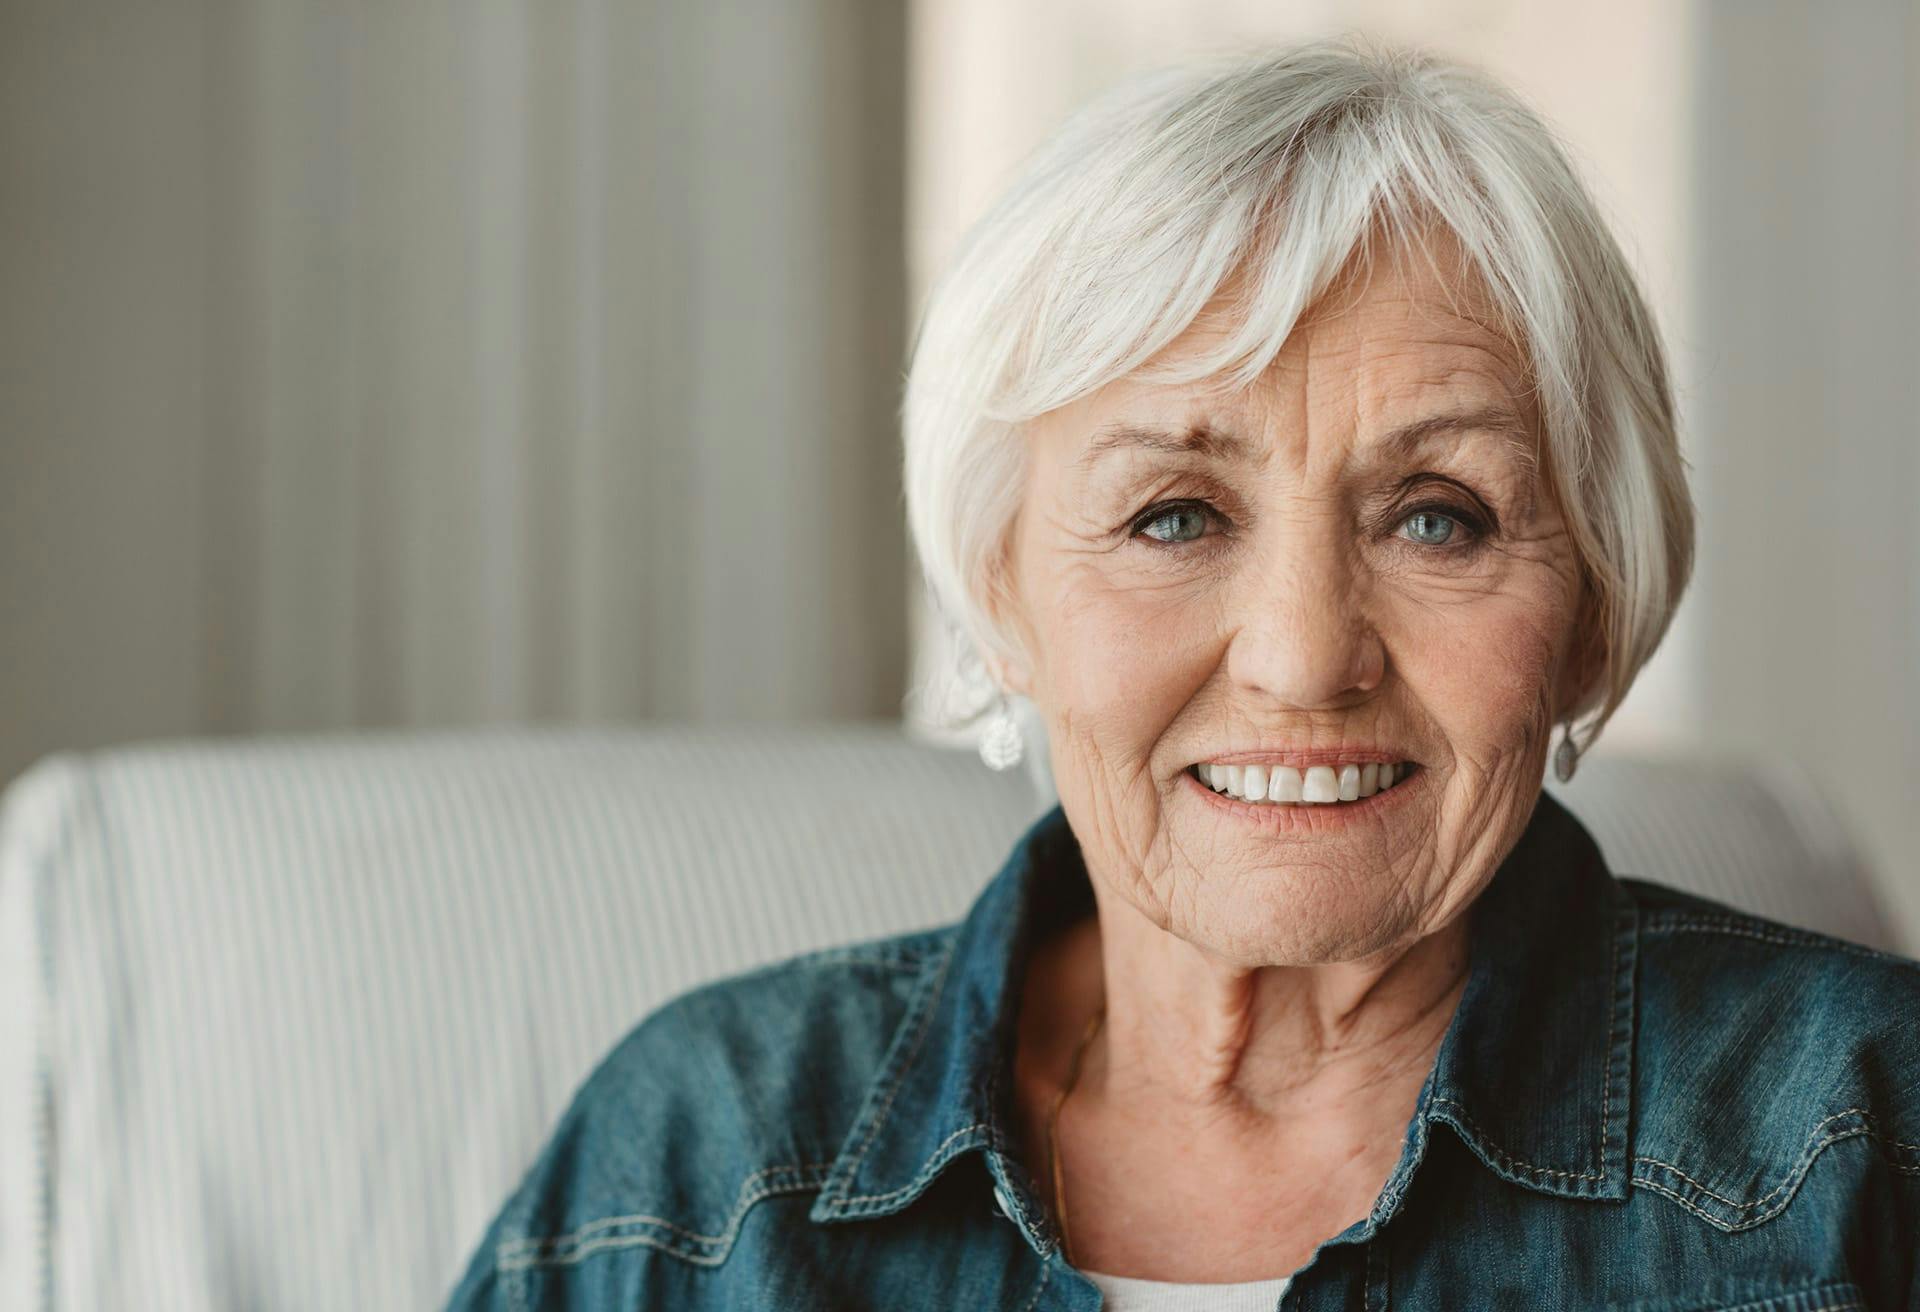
(284, 1020)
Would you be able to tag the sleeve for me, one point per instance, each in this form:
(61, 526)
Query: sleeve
(479, 1289)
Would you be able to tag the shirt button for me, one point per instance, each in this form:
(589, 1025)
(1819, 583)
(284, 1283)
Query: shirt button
(1004, 1203)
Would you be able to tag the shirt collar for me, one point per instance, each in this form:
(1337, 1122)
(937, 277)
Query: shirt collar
(1534, 1072)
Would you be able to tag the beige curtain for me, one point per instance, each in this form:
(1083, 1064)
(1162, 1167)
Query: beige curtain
(406, 364)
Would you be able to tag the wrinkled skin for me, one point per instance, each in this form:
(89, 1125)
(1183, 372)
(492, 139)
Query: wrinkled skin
(1279, 995)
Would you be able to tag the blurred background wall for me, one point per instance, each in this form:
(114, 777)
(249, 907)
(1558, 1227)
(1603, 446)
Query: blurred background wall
(409, 364)
(401, 363)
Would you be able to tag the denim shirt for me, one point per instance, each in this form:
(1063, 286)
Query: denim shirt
(1644, 1099)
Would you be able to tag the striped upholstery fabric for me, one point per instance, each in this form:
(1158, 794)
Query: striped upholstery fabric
(286, 1019)
(1757, 835)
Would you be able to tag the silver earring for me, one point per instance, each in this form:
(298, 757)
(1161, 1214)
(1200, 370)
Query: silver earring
(1001, 747)
(1565, 757)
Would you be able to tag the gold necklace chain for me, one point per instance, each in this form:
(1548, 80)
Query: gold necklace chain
(1053, 1119)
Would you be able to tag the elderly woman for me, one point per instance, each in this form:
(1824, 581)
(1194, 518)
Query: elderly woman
(1293, 436)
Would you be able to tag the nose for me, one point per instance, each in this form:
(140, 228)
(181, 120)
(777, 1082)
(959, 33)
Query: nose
(1301, 632)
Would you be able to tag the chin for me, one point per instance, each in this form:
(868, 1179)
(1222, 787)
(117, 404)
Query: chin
(1287, 925)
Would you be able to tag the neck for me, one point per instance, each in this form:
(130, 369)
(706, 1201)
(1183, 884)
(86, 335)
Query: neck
(1189, 1036)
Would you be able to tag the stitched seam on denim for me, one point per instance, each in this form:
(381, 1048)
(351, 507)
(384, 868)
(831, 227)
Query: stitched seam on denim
(1390, 1196)
(1846, 1291)
(1805, 1160)
(1795, 1176)
(1613, 1043)
(1769, 1196)
(927, 1172)
(995, 1147)
(616, 1242)
(1661, 1189)
(1508, 1159)
(1046, 1274)
(888, 958)
(1034, 1222)
(1824, 1289)
(924, 1023)
(1760, 1305)
(1779, 937)
(570, 1247)
(1513, 1162)
(607, 1223)
(874, 963)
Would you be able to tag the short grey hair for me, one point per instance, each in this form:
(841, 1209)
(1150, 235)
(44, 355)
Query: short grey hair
(1125, 223)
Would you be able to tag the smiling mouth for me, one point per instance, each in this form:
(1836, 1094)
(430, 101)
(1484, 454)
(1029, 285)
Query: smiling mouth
(1316, 786)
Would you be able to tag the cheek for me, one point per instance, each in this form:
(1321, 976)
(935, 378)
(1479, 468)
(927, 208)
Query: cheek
(1121, 652)
(1114, 671)
(1487, 675)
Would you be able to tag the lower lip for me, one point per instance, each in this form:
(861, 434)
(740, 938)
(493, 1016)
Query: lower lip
(1308, 817)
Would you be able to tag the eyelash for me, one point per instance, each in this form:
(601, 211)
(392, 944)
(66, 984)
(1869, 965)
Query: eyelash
(1470, 520)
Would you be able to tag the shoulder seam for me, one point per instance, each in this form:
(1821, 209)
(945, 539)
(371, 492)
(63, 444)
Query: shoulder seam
(907, 953)
(1764, 931)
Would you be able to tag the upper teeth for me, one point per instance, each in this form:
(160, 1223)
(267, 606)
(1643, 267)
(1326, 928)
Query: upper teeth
(1317, 783)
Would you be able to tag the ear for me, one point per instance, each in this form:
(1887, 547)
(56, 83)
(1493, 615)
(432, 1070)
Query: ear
(1013, 676)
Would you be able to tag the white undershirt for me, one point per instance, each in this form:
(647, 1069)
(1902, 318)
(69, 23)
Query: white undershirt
(1127, 1294)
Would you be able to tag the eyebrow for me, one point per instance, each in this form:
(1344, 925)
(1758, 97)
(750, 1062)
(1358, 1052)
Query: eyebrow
(1496, 419)
(1214, 444)
(1197, 439)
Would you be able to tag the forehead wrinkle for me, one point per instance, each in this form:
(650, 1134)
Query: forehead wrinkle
(1497, 421)
(1205, 441)
(1441, 412)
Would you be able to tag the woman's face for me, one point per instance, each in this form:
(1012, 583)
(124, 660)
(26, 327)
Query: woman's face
(1294, 576)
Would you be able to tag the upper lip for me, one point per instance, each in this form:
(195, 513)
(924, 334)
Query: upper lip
(1302, 758)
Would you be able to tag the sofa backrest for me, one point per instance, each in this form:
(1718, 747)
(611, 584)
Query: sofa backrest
(287, 1018)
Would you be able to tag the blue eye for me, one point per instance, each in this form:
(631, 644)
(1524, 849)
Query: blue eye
(1429, 528)
(1183, 518)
